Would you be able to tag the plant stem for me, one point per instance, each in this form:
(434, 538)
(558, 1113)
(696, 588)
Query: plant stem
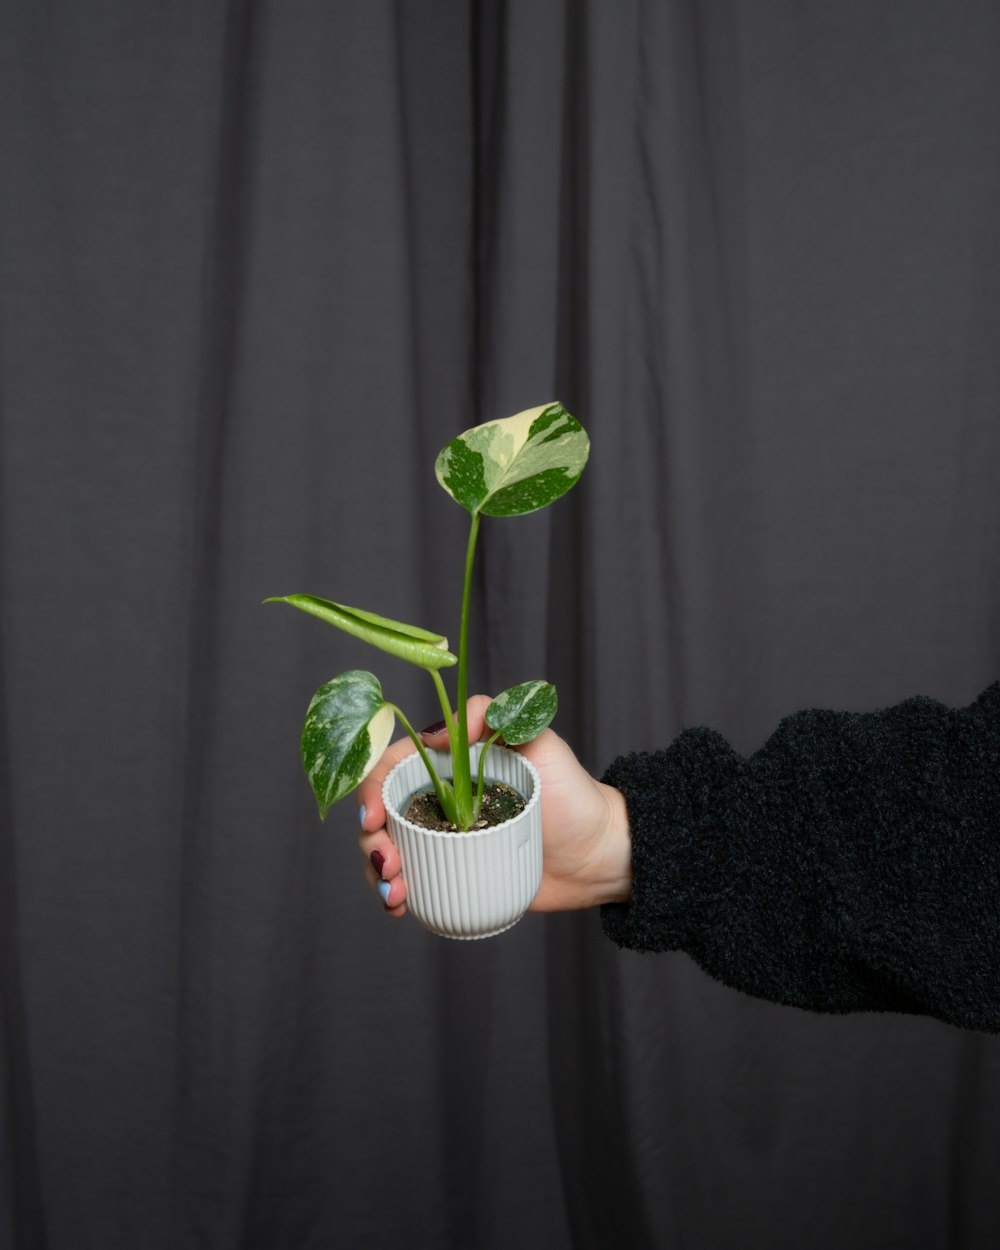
(460, 757)
(445, 794)
(482, 775)
(449, 715)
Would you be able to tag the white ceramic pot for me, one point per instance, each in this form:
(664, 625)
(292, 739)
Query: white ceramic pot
(475, 884)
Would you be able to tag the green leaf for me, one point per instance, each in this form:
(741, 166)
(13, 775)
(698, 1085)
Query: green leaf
(522, 712)
(417, 646)
(347, 728)
(516, 465)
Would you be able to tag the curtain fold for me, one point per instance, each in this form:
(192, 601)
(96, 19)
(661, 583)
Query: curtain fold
(258, 264)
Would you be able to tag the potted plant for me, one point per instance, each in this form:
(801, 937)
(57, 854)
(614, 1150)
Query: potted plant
(475, 874)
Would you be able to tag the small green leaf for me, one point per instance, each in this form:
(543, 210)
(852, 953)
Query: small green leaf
(347, 728)
(522, 712)
(417, 646)
(515, 465)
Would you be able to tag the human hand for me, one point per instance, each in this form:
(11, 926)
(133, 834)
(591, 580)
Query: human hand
(586, 843)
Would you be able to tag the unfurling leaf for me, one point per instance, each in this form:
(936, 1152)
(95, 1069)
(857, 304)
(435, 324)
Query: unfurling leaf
(522, 712)
(347, 728)
(515, 465)
(418, 646)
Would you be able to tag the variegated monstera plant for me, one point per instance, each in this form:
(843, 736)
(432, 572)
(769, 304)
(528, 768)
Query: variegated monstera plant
(503, 468)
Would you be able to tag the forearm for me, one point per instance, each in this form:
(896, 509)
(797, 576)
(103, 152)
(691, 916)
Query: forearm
(853, 863)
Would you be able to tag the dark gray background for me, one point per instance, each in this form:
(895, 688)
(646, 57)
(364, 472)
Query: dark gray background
(258, 262)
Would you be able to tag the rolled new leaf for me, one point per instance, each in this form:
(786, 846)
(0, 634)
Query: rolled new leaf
(417, 646)
(522, 712)
(516, 465)
(347, 728)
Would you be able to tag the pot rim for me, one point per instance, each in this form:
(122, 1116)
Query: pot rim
(536, 795)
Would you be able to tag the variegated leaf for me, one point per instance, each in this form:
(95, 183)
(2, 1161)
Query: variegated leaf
(515, 465)
(418, 646)
(523, 711)
(347, 728)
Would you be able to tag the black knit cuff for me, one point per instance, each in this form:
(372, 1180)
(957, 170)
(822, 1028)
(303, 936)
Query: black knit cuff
(673, 799)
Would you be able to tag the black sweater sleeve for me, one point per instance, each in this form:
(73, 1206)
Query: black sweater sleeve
(851, 864)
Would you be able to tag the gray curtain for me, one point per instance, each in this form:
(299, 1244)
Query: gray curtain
(258, 262)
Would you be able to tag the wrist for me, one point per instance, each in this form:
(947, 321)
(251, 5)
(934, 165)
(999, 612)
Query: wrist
(613, 878)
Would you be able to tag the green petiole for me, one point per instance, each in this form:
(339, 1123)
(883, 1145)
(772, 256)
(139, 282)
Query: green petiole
(482, 775)
(460, 756)
(445, 794)
(449, 715)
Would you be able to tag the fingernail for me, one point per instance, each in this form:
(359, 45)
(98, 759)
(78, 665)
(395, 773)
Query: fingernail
(361, 815)
(431, 730)
(378, 859)
(383, 888)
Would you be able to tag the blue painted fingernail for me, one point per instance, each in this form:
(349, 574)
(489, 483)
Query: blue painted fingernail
(361, 815)
(383, 888)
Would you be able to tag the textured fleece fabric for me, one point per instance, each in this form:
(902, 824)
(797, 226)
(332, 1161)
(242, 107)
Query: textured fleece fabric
(851, 864)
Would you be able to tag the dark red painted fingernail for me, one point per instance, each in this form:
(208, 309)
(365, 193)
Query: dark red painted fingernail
(433, 729)
(378, 859)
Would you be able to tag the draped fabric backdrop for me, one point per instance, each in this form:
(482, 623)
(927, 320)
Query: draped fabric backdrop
(258, 263)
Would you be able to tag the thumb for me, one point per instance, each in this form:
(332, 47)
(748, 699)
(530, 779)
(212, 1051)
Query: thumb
(436, 736)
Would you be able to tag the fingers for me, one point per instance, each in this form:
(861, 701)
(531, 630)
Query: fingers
(383, 867)
(475, 718)
(382, 862)
(371, 813)
(383, 870)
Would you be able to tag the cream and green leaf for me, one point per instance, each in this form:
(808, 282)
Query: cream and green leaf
(518, 715)
(501, 468)
(515, 465)
(417, 646)
(522, 712)
(347, 728)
